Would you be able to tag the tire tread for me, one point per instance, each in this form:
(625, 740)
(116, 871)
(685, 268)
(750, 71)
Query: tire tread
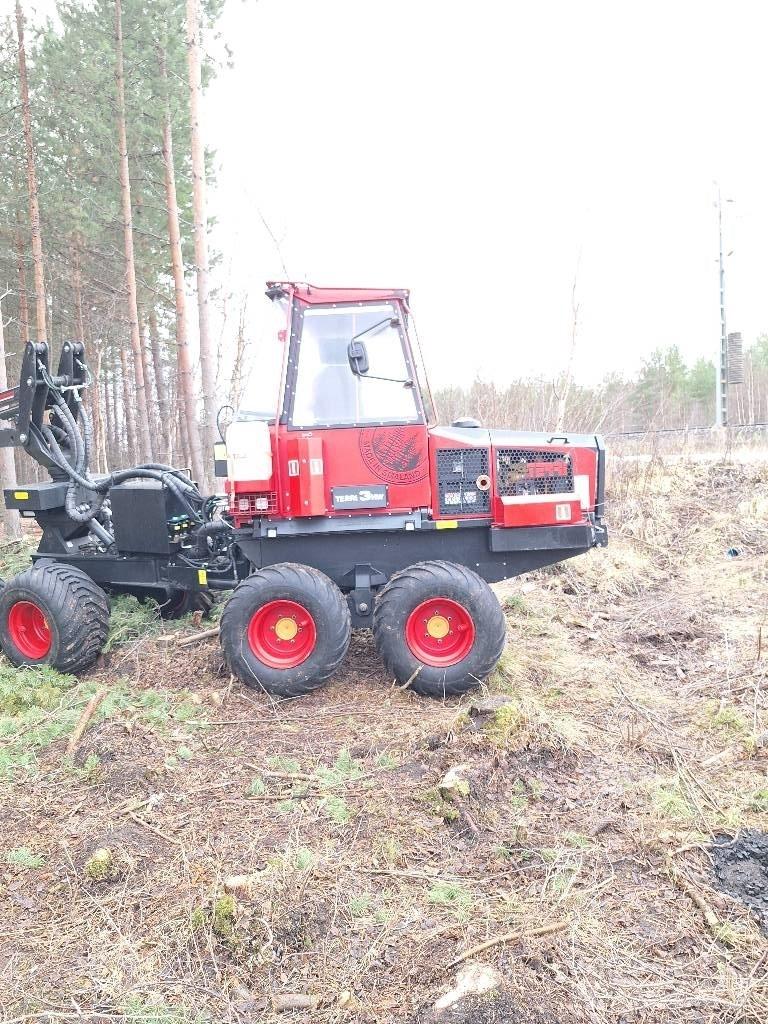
(394, 603)
(78, 605)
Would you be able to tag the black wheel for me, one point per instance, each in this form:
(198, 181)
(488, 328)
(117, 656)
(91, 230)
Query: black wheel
(53, 614)
(285, 629)
(440, 627)
(179, 603)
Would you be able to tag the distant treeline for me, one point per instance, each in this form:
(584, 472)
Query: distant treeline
(666, 393)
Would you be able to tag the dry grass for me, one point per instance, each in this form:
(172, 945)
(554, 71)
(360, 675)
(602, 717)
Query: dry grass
(258, 849)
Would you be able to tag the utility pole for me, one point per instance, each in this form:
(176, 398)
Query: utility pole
(721, 379)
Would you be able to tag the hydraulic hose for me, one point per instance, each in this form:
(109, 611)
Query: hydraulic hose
(204, 533)
(76, 468)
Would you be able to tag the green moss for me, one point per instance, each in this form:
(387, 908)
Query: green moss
(90, 770)
(344, 769)
(581, 842)
(388, 849)
(287, 765)
(257, 787)
(360, 905)
(155, 1010)
(304, 859)
(24, 857)
(438, 805)
(727, 720)
(223, 916)
(669, 799)
(758, 801)
(337, 809)
(560, 881)
(550, 854)
(504, 723)
(101, 866)
(452, 896)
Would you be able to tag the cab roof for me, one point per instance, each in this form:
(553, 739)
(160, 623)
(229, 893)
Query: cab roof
(315, 296)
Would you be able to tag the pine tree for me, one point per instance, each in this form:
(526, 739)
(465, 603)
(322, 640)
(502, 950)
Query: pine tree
(34, 207)
(207, 360)
(142, 415)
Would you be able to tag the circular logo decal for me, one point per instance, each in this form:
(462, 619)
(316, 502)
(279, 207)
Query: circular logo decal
(397, 455)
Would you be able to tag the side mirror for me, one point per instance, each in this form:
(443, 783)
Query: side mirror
(357, 354)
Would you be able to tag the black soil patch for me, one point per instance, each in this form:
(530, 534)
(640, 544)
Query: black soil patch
(741, 870)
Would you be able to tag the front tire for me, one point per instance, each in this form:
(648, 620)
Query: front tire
(285, 629)
(439, 627)
(53, 614)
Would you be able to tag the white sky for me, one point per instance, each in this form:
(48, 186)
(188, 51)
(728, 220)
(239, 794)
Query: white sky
(471, 151)
(479, 152)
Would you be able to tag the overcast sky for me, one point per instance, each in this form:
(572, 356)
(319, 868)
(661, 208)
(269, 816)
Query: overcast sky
(485, 153)
(480, 153)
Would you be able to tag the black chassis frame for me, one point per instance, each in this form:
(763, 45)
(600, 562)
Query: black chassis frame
(383, 545)
(360, 553)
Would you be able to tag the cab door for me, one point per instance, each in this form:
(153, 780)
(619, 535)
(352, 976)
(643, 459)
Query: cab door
(364, 432)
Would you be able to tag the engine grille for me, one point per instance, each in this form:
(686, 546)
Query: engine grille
(533, 471)
(458, 470)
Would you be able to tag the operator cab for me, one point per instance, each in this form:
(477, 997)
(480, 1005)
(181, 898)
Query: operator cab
(350, 430)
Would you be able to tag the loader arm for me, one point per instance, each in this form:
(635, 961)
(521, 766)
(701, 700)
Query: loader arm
(25, 406)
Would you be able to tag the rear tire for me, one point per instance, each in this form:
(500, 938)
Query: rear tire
(53, 614)
(439, 626)
(285, 629)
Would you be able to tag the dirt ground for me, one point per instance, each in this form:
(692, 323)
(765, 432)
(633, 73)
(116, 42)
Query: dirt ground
(248, 852)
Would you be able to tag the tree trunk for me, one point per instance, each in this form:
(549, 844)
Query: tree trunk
(129, 417)
(186, 389)
(142, 416)
(100, 411)
(183, 436)
(161, 388)
(207, 365)
(147, 377)
(34, 208)
(115, 405)
(236, 384)
(22, 276)
(7, 464)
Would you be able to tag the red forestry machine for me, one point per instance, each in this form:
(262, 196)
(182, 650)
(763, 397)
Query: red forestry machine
(345, 507)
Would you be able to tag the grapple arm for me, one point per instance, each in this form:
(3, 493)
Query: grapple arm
(25, 406)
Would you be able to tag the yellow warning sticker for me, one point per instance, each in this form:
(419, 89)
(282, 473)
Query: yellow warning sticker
(21, 495)
(202, 577)
(447, 524)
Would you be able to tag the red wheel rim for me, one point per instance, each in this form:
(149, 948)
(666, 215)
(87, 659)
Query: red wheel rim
(29, 630)
(440, 632)
(282, 634)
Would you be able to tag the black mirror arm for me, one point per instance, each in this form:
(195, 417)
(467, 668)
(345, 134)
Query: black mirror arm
(408, 382)
(391, 320)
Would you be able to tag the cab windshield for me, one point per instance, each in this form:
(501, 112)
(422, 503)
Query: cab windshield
(328, 393)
